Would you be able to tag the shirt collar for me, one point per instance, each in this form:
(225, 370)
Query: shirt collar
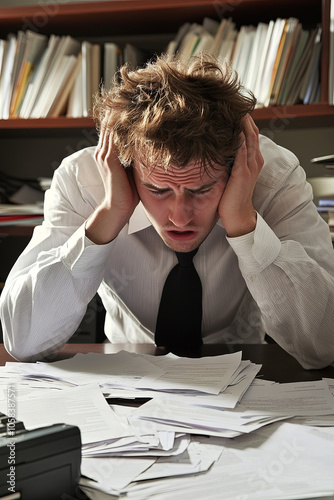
(139, 220)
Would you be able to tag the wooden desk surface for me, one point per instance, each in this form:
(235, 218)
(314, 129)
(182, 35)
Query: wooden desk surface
(276, 364)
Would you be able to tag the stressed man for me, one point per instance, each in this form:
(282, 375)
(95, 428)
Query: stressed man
(179, 167)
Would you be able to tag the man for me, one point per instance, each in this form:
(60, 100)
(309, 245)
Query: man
(179, 166)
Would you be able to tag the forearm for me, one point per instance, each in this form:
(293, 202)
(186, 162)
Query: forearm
(44, 300)
(104, 225)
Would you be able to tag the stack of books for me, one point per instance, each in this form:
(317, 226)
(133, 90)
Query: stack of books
(278, 61)
(325, 207)
(325, 201)
(43, 77)
(21, 215)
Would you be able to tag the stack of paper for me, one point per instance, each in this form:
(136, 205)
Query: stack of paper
(209, 419)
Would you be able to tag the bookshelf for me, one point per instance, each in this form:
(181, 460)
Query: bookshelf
(105, 20)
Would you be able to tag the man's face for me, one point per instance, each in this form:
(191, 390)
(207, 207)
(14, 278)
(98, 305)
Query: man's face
(181, 203)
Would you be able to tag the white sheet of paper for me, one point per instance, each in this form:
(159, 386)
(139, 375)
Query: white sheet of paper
(119, 369)
(83, 406)
(299, 398)
(276, 462)
(209, 374)
(114, 474)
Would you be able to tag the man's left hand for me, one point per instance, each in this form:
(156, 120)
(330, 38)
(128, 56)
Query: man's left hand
(236, 208)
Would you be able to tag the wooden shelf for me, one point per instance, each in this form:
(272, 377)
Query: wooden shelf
(109, 19)
(146, 16)
(298, 110)
(59, 122)
(260, 114)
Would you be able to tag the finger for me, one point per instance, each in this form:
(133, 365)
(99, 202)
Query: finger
(241, 156)
(104, 127)
(251, 131)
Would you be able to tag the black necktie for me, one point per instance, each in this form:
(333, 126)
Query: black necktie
(180, 311)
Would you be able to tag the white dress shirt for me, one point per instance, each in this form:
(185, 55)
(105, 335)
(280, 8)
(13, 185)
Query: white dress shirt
(278, 279)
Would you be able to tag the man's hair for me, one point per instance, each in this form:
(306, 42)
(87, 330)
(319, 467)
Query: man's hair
(172, 113)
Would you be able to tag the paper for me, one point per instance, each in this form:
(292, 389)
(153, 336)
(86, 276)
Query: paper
(122, 369)
(210, 374)
(83, 406)
(207, 418)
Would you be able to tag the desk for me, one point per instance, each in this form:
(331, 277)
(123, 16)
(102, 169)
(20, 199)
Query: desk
(276, 364)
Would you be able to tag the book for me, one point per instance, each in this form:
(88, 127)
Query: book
(326, 202)
(210, 25)
(134, 56)
(284, 54)
(227, 45)
(174, 44)
(225, 26)
(21, 220)
(39, 77)
(296, 79)
(327, 159)
(95, 77)
(34, 47)
(299, 43)
(18, 57)
(241, 57)
(24, 209)
(75, 100)
(60, 103)
(204, 43)
(112, 58)
(312, 73)
(68, 46)
(3, 48)
(263, 58)
(255, 55)
(6, 72)
(189, 41)
(66, 68)
(91, 74)
(86, 50)
(269, 64)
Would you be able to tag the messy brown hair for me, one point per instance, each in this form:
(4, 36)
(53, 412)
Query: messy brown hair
(170, 112)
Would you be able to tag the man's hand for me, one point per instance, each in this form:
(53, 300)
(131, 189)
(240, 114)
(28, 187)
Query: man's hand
(121, 196)
(236, 208)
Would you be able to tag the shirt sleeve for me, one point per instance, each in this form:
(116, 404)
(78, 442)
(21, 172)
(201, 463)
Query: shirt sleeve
(47, 292)
(288, 267)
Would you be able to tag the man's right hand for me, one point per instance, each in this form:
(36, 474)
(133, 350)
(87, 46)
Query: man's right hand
(120, 198)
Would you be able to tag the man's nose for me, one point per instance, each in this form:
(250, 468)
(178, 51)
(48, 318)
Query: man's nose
(181, 211)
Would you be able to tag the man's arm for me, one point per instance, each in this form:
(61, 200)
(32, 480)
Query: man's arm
(287, 262)
(236, 208)
(51, 284)
(120, 197)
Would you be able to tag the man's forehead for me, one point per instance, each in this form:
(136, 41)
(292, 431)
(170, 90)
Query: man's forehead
(193, 171)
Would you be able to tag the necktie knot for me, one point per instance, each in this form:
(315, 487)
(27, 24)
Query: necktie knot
(185, 259)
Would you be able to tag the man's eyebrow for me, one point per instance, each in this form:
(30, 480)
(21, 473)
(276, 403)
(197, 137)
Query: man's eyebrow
(203, 188)
(152, 186)
(196, 190)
